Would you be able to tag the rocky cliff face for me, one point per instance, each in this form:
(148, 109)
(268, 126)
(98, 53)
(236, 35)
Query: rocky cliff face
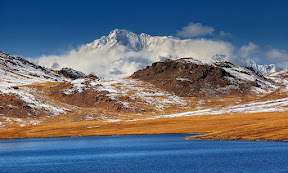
(191, 77)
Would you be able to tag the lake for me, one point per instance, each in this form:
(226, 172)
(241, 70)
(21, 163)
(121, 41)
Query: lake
(141, 153)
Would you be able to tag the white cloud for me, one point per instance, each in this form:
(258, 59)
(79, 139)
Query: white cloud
(248, 50)
(123, 53)
(195, 30)
(279, 57)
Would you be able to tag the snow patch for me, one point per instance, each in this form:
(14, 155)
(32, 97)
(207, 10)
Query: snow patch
(134, 89)
(278, 105)
(24, 95)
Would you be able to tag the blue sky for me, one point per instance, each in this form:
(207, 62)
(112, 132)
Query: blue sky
(33, 28)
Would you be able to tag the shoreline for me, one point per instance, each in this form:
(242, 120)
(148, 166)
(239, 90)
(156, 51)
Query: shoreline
(189, 137)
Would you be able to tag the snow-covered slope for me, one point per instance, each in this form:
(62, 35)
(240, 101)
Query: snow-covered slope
(281, 77)
(15, 73)
(19, 71)
(122, 52)
(239, 74)
(133, 89)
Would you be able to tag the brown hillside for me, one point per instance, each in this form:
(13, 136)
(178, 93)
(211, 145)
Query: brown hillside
(12, 106)
(195, 79)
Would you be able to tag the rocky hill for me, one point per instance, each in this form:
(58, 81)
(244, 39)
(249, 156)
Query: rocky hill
(71, 73)
(188, 77)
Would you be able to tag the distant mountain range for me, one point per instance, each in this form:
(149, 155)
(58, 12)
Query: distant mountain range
(121, 53)
(260, 68)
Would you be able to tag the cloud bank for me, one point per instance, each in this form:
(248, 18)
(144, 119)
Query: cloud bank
(246, 51)
(280, 57)
(122, 52)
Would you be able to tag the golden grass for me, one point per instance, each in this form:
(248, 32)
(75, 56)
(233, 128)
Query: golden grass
(257, 126)
(42, 84)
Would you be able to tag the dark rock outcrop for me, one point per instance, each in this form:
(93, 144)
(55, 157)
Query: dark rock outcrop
(71, 73)
(194, 78)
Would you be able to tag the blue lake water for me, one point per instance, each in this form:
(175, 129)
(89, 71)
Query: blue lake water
(141, 153)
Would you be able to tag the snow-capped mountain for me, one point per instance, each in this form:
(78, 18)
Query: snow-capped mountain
(123, 37)
(121, 53)
(271, 68)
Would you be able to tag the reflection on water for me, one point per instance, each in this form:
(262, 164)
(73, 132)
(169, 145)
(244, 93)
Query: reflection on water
(141, 153)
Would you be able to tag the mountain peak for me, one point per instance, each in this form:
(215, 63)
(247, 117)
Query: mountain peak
(119, 31)
(121, 38)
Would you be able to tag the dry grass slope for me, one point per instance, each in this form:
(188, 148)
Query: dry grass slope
(258, 126)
